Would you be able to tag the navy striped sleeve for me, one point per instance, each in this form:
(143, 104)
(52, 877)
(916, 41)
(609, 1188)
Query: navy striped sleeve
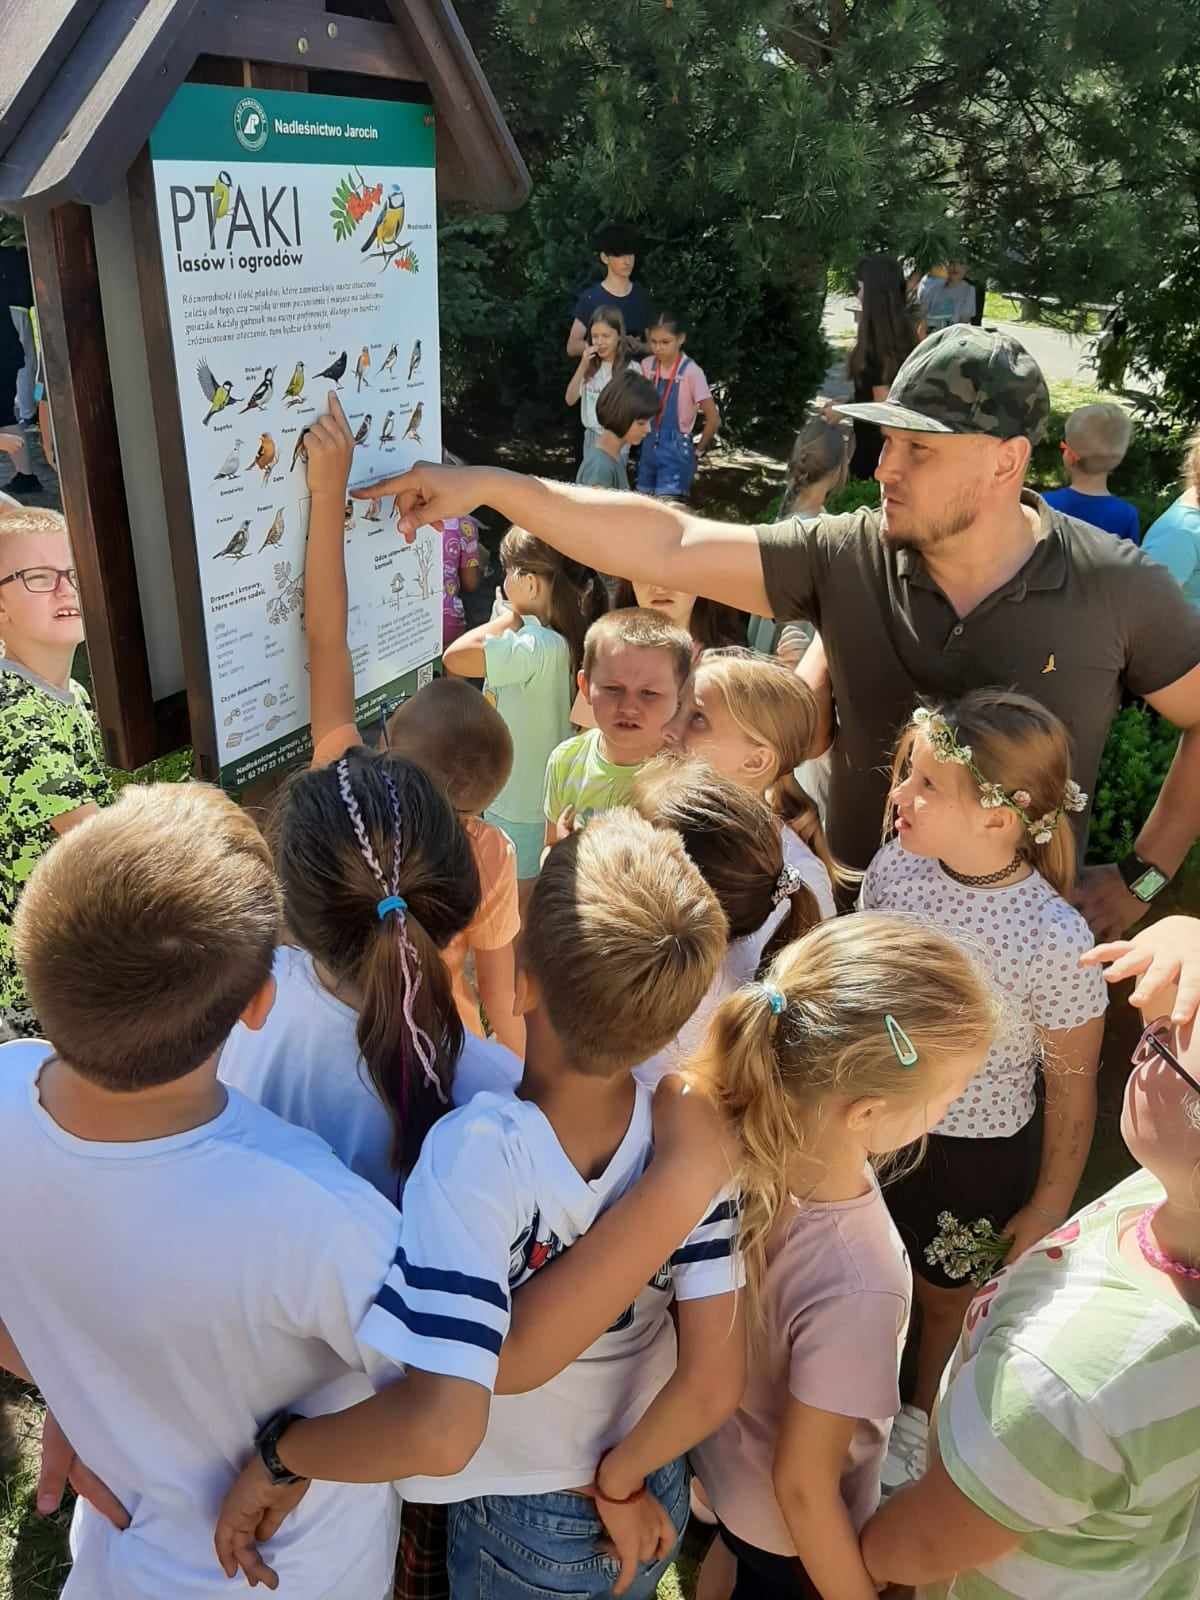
(444, 1307)
(708, 1261)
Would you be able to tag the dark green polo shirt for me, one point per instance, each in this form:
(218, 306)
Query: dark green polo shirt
(1086, 614)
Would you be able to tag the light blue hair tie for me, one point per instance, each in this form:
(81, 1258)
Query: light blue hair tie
(392, 903)
(774, 998)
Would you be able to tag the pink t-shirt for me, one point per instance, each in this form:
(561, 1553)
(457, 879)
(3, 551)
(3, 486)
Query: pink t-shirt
(691, 386)
(837, 1293)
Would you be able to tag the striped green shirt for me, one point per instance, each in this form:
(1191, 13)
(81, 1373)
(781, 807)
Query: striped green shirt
(1071, 1414)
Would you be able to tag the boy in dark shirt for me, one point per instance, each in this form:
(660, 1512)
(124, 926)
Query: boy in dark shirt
(617, 246)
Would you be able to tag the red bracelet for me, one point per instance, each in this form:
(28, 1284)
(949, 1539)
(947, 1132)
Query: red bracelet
(627, 1500)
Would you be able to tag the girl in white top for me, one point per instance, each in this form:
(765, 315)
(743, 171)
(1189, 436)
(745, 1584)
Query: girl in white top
(364, 1044)
(734, 840)
(859, 1037)
(606, 352)
(754, 720)
(984, 850)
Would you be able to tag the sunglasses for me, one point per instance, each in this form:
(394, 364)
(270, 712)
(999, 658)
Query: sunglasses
(1153, 1046)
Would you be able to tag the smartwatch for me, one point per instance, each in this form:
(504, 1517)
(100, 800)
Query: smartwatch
(1142, 878)
(267, 1444)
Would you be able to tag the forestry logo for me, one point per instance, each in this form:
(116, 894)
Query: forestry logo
(250, 124)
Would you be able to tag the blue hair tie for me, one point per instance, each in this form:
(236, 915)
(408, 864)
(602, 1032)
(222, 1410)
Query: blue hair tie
(774, 998)
(392, 903)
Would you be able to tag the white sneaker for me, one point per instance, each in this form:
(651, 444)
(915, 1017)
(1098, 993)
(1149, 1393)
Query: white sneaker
(908, 1450)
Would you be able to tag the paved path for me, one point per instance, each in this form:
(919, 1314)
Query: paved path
(1060, 355)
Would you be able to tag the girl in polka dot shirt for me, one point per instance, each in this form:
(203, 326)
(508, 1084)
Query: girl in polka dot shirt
(979, 844)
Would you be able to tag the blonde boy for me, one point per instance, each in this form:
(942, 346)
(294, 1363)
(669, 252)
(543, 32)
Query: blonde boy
(1096, 439)
(635, 663)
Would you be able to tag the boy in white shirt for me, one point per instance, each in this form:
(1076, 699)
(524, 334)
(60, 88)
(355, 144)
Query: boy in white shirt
(185, 1263)
(623, 938)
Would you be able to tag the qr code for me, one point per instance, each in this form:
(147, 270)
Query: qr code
(425, 675)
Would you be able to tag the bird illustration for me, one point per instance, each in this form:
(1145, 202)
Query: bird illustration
(364, 429)
(413, 431)
(361, 365)
(220, 195)
(389, 360)
(231, 465)
(388, 431)
(335, 370)
(294, 393)
(414, 361)
(265, 459)
(371, 514)
(218, 395)
(385, 235)
(274, 532)
(237, 545)
(1050, 664)
(348, 516)
(263, 393)
(299, 453)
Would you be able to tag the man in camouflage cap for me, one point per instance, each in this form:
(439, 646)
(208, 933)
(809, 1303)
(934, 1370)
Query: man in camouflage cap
(961, 579)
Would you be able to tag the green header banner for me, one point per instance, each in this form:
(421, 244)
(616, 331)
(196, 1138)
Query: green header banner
(206, 122)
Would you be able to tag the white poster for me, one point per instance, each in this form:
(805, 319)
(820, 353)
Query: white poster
(299, 250)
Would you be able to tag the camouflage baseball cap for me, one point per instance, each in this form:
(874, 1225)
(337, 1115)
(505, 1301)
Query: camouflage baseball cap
(964, 380)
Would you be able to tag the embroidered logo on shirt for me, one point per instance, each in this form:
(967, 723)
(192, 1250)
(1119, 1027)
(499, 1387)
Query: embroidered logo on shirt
(1050, 666)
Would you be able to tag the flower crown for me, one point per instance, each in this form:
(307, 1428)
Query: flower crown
(946, 748)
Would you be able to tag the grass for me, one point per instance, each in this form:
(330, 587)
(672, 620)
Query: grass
(1007, 308)
(33, 1550)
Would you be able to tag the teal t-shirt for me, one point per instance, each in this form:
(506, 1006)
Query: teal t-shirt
(1174, 542)
(527, 677)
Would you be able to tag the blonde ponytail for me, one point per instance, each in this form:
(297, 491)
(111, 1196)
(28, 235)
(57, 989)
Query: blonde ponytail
(814, 1031)
(775, 707)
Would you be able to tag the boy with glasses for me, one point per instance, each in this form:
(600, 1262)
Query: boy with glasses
(52, 770)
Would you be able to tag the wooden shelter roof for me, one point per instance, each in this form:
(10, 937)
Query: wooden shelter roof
(83, 82)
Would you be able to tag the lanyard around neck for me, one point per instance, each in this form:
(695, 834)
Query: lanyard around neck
(666, 392)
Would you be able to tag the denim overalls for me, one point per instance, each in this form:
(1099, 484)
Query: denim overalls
(668, 460)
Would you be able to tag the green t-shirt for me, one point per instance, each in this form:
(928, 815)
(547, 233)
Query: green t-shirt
(578, 775)
(528, 680)
(51, 762)
(1071, 1415)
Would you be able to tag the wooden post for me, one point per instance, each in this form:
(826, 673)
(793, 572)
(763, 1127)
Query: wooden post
(62, 258)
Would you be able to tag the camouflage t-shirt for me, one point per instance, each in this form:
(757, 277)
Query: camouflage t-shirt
(51, 762)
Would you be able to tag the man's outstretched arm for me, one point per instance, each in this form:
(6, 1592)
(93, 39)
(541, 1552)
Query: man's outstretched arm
(628, 535)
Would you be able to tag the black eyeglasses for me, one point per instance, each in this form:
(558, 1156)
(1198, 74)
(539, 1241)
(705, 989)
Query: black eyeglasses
(1153, 1046)
(42, 580)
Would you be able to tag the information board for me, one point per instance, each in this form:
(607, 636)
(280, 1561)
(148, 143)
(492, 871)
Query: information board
(299, 251)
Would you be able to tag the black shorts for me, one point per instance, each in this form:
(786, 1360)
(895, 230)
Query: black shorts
(970, 1178)
(763, 1575)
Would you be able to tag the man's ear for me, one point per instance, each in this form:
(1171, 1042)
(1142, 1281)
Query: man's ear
(259, 1008)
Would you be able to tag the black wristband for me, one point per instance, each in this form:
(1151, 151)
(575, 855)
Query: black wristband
(267, 1444)
(1142, 878)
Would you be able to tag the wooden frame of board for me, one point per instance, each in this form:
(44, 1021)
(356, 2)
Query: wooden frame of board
(78, 97)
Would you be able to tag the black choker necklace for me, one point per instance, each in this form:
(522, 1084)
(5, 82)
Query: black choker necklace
(981, 880)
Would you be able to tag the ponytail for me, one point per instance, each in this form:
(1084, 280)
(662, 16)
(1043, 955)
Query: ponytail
(813, 1034)
(577, 593)
(378, 877)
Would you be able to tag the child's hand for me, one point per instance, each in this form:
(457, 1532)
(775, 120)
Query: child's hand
(565, 826)
(60, 1466)
(1165, 959)
(252, 1512)
(691, 1133)
(330, 447)
(639, 1533)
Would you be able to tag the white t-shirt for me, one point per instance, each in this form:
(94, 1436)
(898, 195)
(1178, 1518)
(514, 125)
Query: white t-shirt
(592, 389)
(742, 961)
(492, 1199)
(304, 1065)
(168, 1296)
(1030, 940)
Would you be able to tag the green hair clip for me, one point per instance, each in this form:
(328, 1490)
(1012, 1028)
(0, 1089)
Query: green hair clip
(906, 1050)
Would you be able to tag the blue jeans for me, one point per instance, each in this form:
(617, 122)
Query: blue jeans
(667, 464)
(544, 1546)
